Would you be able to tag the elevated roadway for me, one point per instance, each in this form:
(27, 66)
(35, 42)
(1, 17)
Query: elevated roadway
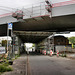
(38, 19)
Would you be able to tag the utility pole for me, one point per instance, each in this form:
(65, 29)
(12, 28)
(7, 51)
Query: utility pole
(9, 27)
(13, 43)
(7, 40)
(53, 40)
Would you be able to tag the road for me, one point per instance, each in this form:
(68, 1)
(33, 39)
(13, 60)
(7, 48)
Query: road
(46, 65)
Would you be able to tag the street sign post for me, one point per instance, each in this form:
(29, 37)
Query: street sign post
(10, 26)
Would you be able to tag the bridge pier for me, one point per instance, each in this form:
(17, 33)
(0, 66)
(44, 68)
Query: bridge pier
(17, 45)
(46, 44)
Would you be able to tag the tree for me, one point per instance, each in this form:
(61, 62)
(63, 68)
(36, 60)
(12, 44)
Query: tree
(4, 42)
(72, 40)
(33, 45)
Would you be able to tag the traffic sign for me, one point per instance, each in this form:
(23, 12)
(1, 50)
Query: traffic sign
(10, 26)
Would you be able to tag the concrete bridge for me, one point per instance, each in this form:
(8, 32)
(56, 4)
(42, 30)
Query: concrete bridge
(42, 18)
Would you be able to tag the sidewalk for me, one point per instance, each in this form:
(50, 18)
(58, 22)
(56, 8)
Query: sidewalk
(72, 55)
(19, 66)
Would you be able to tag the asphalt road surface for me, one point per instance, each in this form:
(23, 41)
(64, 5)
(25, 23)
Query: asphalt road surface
(46, 65)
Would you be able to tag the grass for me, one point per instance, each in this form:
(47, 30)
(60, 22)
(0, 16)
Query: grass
(16, 56)
(5, 68)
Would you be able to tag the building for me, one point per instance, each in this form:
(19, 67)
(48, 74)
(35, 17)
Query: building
(59, 42)
(55, 43)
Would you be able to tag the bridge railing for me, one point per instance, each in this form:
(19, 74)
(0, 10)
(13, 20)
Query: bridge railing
(36, 10)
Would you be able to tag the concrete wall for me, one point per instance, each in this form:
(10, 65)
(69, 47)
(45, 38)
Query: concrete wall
(73, 50)
(63, 48)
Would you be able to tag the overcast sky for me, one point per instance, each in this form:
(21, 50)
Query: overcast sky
(71, 34)
(21, 3)
(17, 3)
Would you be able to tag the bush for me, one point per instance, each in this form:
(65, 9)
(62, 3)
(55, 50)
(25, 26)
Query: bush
(5, 68)
(63, 55)
(9, 69)
(2, 68)
(5, 64)
(16, 56)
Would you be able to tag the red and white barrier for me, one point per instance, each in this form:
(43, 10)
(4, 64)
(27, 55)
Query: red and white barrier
(51, 52)
(44, 52)
(57, 53)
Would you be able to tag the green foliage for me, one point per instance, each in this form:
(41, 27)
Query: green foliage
(72, 40)
(63, 55)
(33, 45)
(9, 69)
(4, 42)
(16, 56)
(4, 68)
(5, 64)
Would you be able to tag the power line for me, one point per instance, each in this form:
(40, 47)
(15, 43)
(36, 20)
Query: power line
(5, 9)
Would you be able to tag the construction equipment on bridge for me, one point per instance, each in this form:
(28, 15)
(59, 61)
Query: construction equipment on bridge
(48, 6)
(36, 10)
(18, 14)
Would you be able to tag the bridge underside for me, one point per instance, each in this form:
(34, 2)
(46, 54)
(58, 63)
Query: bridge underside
(32, 37)
(45, 23)
(40, 25)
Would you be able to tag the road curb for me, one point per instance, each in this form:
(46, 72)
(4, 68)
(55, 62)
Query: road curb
(28, 70)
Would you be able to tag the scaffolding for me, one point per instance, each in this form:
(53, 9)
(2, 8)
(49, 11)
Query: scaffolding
(36, 10)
